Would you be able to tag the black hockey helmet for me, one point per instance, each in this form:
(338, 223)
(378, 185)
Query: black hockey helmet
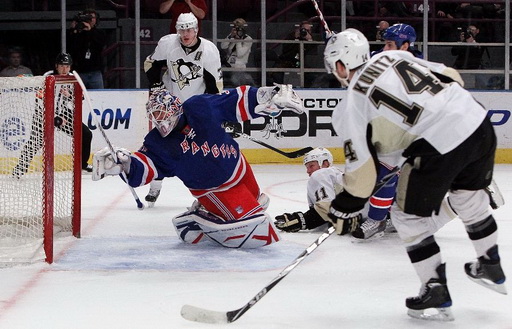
(64, 59)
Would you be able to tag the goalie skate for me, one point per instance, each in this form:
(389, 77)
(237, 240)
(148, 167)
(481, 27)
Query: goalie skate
(152, 197)
(434, 301)
(487, 272)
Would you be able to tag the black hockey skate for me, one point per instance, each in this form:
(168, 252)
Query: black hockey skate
(433, 295)
(488, 272)
(152, 197)
(369, 230)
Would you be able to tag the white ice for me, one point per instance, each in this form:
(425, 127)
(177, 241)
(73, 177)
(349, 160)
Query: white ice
(130, 271)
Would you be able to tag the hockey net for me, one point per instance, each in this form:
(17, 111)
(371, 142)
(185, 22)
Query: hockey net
(40, 167)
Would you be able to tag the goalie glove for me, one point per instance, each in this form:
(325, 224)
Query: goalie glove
(272, 100)
(104, 163)
(293, 222)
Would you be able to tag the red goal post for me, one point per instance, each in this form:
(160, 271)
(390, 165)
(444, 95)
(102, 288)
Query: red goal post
(40, 165)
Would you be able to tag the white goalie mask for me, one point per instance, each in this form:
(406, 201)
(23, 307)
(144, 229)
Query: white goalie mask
(164, 110)
(187, 21)
(350, 47)
(319, 154)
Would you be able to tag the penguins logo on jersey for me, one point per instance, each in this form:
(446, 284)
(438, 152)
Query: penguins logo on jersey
(184, 72)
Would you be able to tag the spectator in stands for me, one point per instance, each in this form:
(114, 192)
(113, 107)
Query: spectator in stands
(15, 68)
(468, 57)
(395, 8)
(178, 7)
(381, 27)
(471, 57)
(469, 10)
(237, 53)
(290, 57)
(85, 44)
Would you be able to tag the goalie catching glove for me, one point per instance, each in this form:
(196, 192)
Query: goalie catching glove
(106, 164)
(272, 100)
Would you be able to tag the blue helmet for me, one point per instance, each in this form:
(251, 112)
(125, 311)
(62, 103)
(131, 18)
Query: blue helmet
(400, 33)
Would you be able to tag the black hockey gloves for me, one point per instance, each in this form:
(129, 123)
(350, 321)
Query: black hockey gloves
(345, 212)
(293, 222)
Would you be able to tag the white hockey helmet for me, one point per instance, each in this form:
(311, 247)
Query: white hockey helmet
(187, 21)
(319, 154)
(350, 47)
(164, 110)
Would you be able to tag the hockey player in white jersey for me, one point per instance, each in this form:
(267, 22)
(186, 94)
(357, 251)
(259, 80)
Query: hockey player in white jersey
(193, 67)
(323, 185)
(399, 104)
(325, 182)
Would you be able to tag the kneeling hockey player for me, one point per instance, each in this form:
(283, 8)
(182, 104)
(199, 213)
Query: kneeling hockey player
(189, 142)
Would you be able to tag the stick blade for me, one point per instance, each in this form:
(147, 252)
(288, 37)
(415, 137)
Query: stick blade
(197, 314)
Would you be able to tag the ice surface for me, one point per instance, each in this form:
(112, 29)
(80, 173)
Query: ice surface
(130, 271)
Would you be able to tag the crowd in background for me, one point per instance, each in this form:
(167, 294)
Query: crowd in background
(463, 22)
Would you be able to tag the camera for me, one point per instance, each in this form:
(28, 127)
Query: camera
(80, 18)
(303, 32)
(466, 34)
(240, 32)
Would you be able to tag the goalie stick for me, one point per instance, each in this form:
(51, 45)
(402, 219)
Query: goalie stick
(232, 129)
(140, 205)
(198, 314)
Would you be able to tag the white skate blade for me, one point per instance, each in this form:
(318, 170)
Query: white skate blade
(432, 314)
(376, 236)
(499, 288)
(151, 204)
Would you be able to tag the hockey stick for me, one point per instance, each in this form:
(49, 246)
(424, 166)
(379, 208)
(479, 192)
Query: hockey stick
(321, 16)
(199, 314)
(140, 205)
(232, 129)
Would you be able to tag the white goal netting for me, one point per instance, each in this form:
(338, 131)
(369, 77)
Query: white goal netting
(39, 165)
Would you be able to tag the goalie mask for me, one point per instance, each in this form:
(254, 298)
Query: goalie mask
(319, 155)
(164, 110)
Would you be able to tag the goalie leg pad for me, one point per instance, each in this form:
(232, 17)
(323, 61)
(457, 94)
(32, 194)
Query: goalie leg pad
(251, 232)
(187, 228)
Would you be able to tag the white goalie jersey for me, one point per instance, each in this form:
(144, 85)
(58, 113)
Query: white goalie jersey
(392, 96)
(185, 75)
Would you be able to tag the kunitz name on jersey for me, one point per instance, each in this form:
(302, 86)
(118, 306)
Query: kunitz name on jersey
(372, 73)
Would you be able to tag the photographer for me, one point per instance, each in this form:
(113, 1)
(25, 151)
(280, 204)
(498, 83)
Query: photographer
(290, 57)
(237, 53)
(85, 44)
(468, 57)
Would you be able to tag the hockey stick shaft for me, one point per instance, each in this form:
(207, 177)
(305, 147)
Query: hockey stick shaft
(198, 314)
(140, 205)
(321, 16)
(294, 154)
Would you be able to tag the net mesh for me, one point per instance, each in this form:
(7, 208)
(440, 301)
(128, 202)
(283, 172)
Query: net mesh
(23, 161)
